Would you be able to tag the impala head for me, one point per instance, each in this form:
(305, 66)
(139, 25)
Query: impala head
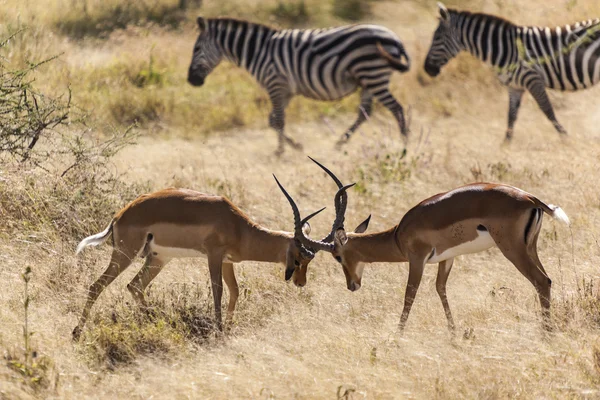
(206, 55)
(297, 259)
(444, 46)
(297, 268)
(344, 254)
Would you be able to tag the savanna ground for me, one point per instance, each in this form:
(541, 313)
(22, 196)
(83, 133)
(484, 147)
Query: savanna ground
(127, 64)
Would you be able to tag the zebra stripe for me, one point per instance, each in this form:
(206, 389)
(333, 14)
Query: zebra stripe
(526, 58)
(322, 64)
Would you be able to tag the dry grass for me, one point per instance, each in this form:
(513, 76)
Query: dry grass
(322, 340)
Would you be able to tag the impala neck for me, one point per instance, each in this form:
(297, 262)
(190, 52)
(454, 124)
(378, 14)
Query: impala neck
(375, 247)
(261, 244)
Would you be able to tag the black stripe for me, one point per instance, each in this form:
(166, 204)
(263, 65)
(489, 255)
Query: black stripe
(240, 43)
(532, 219)
(432, 254)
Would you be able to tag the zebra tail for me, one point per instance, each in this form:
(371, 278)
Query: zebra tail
(395, 63)
(96, 239)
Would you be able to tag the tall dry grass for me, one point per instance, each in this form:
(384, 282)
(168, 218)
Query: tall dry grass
(320, 341)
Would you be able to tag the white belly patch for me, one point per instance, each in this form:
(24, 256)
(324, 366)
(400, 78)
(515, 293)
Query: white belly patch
(177, 252)
(483, 242)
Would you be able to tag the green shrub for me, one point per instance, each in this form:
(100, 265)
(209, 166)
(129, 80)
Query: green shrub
(291, 12)
(351, 10)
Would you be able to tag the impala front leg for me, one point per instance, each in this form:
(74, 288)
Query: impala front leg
(440, 285)
(415, 274)
(234, 291)
(215, 266)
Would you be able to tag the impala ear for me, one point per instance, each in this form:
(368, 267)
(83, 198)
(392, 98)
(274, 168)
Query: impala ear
(363, 225)
(340, 237)
(201, 23)
(444, 14)
(306, 229)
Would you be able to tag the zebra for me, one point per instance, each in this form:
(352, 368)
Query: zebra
(322, 64)
(526, 58)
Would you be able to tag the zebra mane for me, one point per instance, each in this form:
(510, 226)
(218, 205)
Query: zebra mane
(236, 23)
(490, 17)
(575, 25)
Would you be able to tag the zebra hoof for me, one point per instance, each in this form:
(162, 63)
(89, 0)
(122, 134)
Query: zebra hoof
(340, 143)
(76, 333)
(297, 146)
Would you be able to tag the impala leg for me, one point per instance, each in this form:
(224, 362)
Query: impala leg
(364, 111)
(532, 251)
(234, 291)
(118, 263)
(444, 268)
(215, 266)
(538, 90)
(525, 263)
(514, 103)
(415, 274)
(140, 282)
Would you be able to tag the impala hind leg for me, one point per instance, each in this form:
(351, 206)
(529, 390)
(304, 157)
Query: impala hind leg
(140, 282)
(234, 291)
(415, 274)
(521, 258)
(119, 261)
(364, 111)
(444, 269)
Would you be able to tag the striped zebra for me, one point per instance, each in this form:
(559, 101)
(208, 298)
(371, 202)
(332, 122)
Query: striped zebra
(525, 58)
(322, 64)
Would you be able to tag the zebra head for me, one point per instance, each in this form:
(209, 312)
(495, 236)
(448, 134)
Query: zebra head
(444, 46)
(206, 56)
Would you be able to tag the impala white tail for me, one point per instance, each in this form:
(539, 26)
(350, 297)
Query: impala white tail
(559, 214)
(96, 239)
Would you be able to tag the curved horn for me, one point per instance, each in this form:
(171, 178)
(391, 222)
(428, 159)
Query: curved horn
(305, 219)
(341, 202)
(298, 223)
(338, 223)
(331, 174)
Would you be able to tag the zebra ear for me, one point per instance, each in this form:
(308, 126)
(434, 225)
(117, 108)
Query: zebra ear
(201, 23)
(443, 12)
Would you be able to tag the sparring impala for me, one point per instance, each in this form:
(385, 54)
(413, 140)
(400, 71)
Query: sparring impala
(177, 223)
(465, 220)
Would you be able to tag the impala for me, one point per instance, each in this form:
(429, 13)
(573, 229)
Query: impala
(465, 220)
(177, 223)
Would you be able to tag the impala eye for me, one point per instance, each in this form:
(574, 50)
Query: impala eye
(297, 263)
(338, 259)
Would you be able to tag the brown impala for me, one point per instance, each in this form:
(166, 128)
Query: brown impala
(177, 223)
(469, 219)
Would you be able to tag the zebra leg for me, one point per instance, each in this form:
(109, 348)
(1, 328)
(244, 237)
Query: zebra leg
(277, 121)
(385, 97)
(514, 102)
(364, 111)
(538, 90)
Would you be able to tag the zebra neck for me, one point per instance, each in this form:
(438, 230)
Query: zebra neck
(487, 37)
(240, 42)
